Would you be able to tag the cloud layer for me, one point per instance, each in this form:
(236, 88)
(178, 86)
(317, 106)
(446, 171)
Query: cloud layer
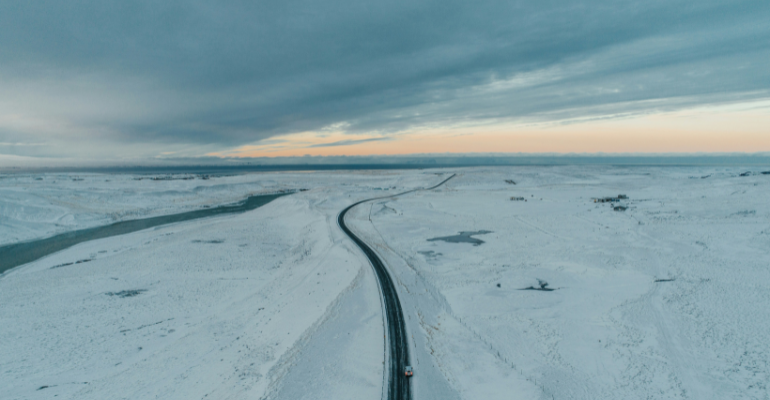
(133, 77)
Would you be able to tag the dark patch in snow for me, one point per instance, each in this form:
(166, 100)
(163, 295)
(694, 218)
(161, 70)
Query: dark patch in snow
(126, 293)
(76, 262)
(510, 181)
(147, 325)
(665, 280)
(543, 286)
(744, 213)
(462, 237)
(430, 254)
(385, 210)
(620, 208)
(538, 289)
(765, 172)
(216, 241)
(173, 177)
(747, 173)
(43, 387)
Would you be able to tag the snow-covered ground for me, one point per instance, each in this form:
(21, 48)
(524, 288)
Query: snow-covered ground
(39, 205)
(277, 303)
(267, 303)
(609, 330)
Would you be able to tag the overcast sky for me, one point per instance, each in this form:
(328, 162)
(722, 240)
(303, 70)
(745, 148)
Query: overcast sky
(147, 78)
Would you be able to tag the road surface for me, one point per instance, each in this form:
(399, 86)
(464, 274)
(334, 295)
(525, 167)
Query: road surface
(398, 345)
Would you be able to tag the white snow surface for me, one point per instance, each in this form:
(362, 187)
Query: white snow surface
(227, 307)
(609, 330)
(277, 303)
(40, 205)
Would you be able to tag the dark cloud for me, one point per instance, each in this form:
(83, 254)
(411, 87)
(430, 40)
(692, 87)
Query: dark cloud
(232, 72)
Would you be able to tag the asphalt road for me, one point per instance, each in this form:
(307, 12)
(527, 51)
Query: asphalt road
(399, 387)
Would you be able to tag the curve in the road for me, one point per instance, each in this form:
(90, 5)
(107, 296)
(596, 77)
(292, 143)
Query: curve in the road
(398, 384)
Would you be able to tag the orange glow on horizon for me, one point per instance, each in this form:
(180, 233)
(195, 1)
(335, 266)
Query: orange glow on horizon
(704, 130)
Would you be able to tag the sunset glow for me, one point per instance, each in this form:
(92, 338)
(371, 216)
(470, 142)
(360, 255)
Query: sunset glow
(733, 128)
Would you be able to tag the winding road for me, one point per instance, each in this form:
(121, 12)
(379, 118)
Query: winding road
(398, 384)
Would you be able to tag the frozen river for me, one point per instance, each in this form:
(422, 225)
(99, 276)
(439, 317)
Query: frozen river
(16, 254)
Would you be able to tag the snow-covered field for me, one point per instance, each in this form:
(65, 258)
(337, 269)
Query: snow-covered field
(669, 299)
(272, 302)
(40, 205)
(609, 330)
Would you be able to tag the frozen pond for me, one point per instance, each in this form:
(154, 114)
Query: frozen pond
(462, 237)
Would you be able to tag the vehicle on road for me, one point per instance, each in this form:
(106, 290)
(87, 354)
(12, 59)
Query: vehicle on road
(399, 388)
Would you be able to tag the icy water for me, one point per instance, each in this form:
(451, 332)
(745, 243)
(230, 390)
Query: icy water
(22, 253)
(463, 237)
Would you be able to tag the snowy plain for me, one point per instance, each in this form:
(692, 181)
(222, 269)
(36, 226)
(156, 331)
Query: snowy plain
(665, 300)
(668, 299)
(223, 307)
(41, 205)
